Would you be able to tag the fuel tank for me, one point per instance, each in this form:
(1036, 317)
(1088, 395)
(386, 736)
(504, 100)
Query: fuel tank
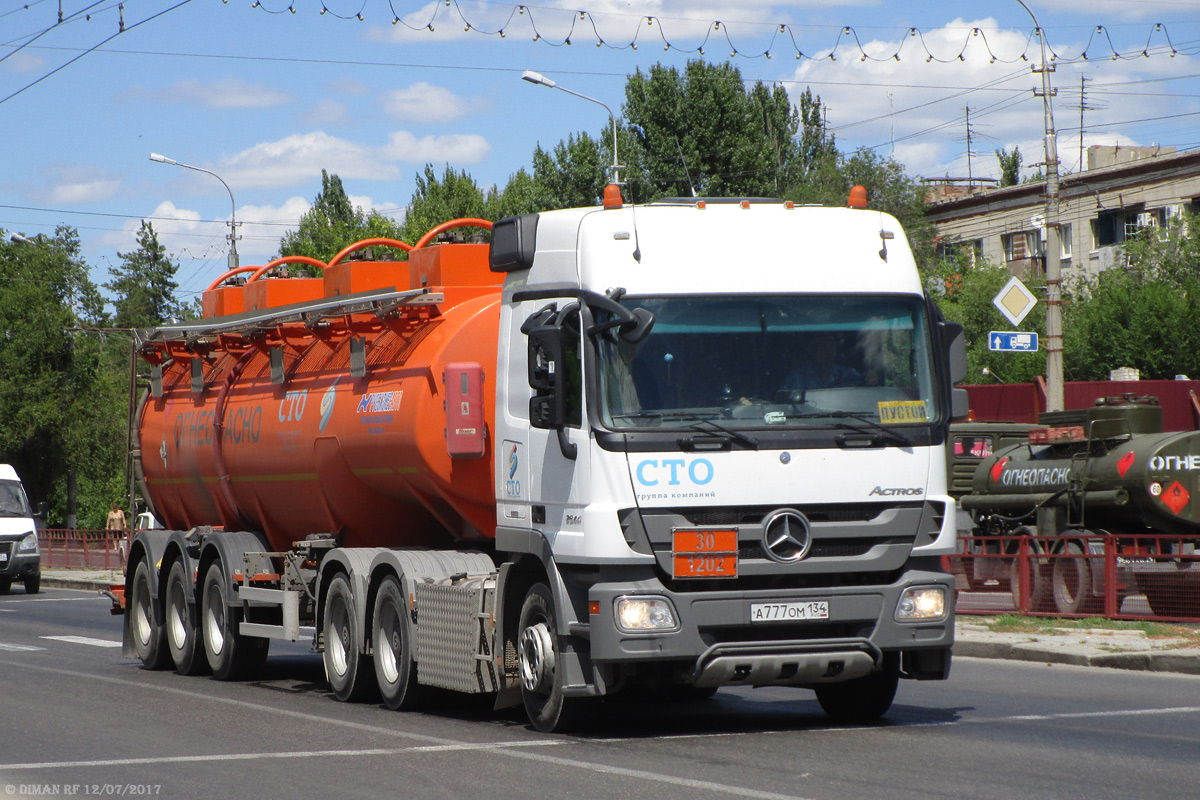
(1132, 481)
(331, 417)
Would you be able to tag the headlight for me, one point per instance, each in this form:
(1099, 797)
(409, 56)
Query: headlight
(636, 614)
(921, 603)
(28, 544)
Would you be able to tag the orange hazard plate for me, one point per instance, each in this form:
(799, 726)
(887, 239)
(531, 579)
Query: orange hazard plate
(705, 553)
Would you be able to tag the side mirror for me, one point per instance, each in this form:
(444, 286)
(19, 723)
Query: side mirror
(955, 352)
(43, 510)
(547, 407)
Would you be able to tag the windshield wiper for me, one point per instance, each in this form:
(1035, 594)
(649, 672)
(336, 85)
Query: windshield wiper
(748, 441)
(895, 435)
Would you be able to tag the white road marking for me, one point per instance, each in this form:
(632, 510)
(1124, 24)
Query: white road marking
(83, 640)
(19, 648)
(507, 749)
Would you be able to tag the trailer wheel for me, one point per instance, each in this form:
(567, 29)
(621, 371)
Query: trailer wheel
(395, 656)
(346, 668)
(231, 655)
(862, 699)
(149, 638)
(1170, 598)
(1072, 582)
(181, 630)
(538, 655)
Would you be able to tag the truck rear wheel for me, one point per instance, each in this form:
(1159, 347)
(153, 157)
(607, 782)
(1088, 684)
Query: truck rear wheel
(395, 661)
(181, 629)
(1072, 582)
(1039, 587)
(862, 699)
(230, 654)
(539, 656)
(149, 637)
(347, 668)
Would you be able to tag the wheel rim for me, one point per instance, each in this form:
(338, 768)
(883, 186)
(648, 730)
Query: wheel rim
(214, 618)
(176, 621)
(537, 657)
(141, 618)
(339, 630)
(387, 644)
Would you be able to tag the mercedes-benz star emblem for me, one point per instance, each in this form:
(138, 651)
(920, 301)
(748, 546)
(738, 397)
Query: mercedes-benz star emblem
(786, 536)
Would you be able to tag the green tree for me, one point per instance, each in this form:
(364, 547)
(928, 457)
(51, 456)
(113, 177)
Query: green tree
(143, 284)
(436, 200)
(1146, 315)
(333, 223)
(702, 130)
(963, 285)
(61, 394)
(1010, 166)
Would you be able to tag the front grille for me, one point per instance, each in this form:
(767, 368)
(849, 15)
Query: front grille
(753, 515)
(824, 548)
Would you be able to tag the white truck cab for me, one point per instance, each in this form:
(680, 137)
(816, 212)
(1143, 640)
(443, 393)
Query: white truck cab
(722, 429)
(20, 558)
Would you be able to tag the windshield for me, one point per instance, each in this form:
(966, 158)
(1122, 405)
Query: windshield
(775, 361)
(12, 500)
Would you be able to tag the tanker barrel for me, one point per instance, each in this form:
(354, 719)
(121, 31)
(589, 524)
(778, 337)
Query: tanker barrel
(1110, 498)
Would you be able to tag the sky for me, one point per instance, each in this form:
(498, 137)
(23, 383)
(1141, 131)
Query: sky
(267, 94)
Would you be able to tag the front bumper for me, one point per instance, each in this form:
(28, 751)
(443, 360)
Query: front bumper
(716, 643)
(17, 566)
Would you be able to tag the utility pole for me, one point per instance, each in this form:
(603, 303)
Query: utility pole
(1054, 338)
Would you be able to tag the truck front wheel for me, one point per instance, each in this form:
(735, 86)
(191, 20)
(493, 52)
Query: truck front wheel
(230, 654)
(395, 664)
(347, 668)
(541, 668)
(862, 699)
(149, 637)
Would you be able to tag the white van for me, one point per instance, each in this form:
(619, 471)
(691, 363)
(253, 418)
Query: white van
(20, 558)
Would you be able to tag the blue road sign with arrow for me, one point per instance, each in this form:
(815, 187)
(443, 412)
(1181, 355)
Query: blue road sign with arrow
(1012, 341)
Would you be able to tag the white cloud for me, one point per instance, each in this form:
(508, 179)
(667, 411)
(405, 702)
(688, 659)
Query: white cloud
(326, 112)
(73, 185)
(223, 93)
(684, 22)
(921, 105)
(24, 62)
(424, 103)
(300, 157)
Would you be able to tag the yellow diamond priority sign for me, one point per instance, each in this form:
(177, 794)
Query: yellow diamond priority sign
(1014, 301)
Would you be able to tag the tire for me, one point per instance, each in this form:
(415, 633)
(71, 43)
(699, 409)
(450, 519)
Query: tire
(230, 655)
(539, 654)
(179, 621)
(33, 584)
(862, 699)
(347, 668)
(5, 585)
(149, 636)
(1071, 582)
(1039, 592)
(395, 651)
(1171, 598)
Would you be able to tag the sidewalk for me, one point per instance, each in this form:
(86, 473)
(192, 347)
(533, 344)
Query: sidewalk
(1095, 647)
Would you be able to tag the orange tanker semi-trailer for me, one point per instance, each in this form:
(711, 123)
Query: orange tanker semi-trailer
(323, 451)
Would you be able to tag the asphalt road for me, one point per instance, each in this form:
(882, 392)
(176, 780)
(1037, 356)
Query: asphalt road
(78, 718)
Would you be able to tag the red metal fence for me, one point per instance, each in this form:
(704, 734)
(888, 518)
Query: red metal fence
(1085, 575)
(82, 549)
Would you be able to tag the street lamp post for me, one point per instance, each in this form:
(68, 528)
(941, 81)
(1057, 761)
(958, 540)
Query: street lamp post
(541, 80)
(1054, 338)
(233, 253)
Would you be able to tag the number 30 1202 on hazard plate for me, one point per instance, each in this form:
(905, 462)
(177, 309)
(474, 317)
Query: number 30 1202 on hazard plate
(789, 612)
